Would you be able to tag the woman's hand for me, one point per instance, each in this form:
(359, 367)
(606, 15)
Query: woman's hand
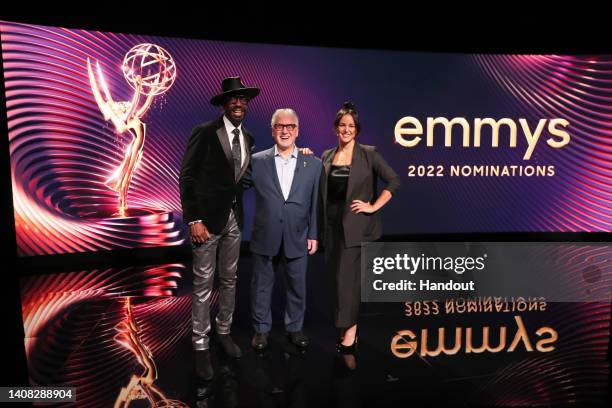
(358, 206)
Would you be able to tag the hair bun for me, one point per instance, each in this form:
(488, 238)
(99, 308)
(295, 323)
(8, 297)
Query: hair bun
(348, 105)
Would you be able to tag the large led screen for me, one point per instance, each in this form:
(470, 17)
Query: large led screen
(483, 143)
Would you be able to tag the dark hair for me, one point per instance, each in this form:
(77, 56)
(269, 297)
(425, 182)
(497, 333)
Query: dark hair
(348, 108)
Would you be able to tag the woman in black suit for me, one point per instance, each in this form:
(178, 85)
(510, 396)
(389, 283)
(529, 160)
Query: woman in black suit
(350, 215)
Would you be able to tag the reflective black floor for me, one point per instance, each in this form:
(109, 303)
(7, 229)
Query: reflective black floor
(100, 330)
(285, 375)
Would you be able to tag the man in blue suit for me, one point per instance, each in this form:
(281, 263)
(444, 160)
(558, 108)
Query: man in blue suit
(286, 186)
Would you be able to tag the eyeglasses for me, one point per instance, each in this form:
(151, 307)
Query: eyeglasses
(280, 126)
(241, 98)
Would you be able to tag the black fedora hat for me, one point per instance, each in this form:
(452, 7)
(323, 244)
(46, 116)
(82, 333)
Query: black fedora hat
(233, 86)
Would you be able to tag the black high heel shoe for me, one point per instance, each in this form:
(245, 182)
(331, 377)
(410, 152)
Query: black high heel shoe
(342, 349)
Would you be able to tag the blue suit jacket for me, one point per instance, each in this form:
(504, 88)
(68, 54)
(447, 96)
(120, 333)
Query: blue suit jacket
(277, 221)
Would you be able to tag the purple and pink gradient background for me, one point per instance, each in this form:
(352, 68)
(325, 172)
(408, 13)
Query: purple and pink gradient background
(62, 149)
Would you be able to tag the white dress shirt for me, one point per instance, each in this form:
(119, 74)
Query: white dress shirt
(285, 169)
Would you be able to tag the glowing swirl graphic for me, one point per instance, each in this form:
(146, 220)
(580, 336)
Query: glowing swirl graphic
(62, 151)
(578, 89)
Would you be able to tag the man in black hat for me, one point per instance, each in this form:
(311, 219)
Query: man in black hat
(216, 158)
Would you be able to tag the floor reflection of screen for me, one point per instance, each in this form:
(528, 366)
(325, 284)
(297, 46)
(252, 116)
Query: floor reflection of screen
(124, 334)
(106, 331)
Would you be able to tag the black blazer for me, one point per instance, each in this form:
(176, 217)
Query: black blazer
(366, 167)
(207, 183)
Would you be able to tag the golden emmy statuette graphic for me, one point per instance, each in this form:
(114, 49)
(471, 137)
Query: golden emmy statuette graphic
(149, 70)
(140, 387)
